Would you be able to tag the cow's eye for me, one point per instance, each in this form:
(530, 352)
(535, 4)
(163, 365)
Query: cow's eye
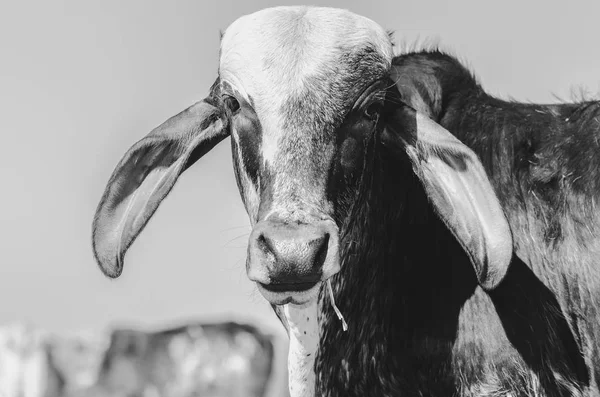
(373, 110)
(232, 104)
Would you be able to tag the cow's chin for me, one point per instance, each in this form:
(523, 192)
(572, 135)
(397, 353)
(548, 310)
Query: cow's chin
(299, 298)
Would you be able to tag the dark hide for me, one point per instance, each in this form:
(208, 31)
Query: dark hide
(419, 325)
(137, 362)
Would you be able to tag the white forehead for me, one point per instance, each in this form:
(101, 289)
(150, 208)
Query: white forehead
(273, 49)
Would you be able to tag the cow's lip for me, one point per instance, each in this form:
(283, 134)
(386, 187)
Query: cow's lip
(295, 293)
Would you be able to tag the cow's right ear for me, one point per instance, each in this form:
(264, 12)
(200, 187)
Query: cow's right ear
(147, 173)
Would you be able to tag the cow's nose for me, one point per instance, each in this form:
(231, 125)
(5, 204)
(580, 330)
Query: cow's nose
(299, 253)
(292, 257)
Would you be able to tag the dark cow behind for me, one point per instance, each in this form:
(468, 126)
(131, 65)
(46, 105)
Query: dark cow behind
(204, 359)
(459, 231)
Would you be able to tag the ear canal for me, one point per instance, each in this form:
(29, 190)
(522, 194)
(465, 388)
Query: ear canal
(145, 176)
(458, 188)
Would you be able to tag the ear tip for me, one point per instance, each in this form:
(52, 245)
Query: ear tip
(110, 267)
(496, 273)
(110, 263)
(111, 272)
(491, 282)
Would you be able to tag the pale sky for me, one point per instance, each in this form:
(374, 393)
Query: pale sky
(81, 81)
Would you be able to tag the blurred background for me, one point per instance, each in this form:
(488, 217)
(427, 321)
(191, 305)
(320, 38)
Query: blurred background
(81, 81)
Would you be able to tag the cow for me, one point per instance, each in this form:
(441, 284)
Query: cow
(220, 359)
(455, 233)
(78, 356)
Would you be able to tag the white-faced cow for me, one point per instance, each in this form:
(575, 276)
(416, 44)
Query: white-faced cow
(459, 232)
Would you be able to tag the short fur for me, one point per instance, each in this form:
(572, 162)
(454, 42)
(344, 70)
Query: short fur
(296, 86)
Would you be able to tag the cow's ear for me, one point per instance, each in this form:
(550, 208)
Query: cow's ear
(146, 174)
(457, 186)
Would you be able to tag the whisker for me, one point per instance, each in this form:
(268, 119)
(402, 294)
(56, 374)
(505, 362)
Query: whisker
(236, 238)
(235, 228)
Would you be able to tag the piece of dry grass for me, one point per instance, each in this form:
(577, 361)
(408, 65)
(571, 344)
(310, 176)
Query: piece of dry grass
(337, 311)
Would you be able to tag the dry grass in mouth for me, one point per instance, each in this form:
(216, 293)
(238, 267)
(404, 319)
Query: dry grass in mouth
(337, 311)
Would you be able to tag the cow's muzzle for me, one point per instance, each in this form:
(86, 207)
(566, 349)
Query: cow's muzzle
(289, 260)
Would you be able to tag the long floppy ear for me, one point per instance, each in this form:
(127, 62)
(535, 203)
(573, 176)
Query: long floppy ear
(457, 185)
(146, 174)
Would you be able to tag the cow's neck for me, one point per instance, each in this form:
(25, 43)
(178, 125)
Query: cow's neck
(397, 304)
(303, 329)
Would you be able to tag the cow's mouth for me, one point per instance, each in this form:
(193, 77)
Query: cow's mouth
(289, 287)
(295, 293)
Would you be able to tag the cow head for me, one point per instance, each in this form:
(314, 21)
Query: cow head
(306, 94)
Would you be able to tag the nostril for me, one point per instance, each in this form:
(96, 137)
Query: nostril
(267, 246)
(322, 250)
(263, 244)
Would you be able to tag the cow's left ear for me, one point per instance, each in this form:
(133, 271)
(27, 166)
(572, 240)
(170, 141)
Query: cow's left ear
(456, 185)
(145, 176)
